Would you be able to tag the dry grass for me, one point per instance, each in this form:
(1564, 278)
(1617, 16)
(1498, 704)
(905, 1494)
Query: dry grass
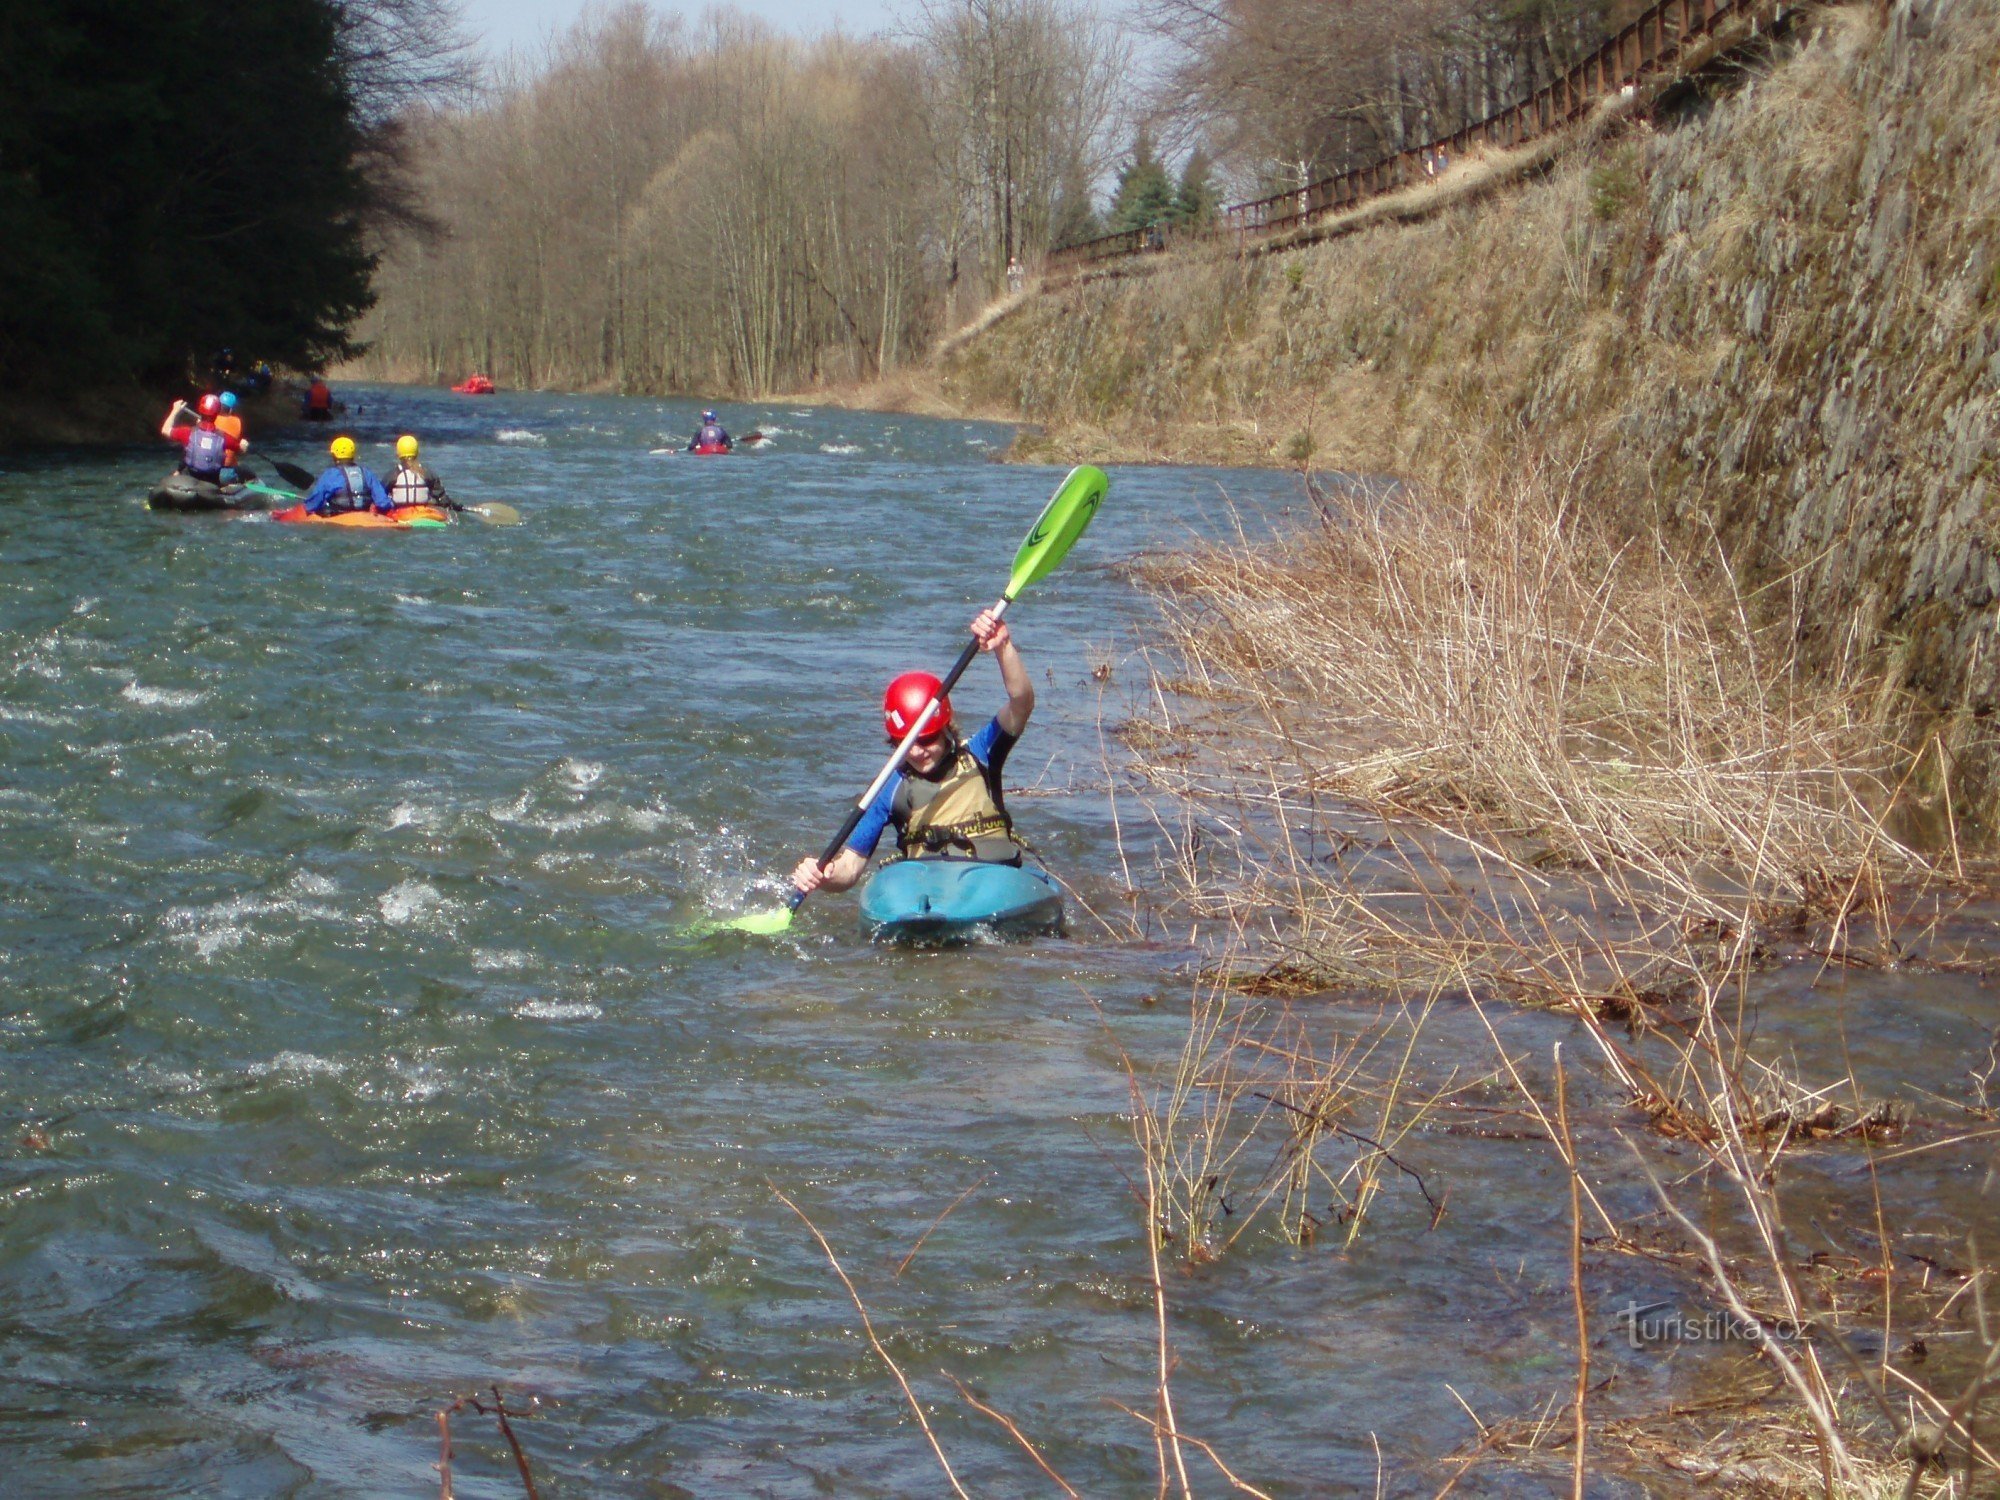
(1474, 743)
(1475, 737)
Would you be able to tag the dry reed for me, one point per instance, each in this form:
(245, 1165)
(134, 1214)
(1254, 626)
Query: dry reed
(1478, 743)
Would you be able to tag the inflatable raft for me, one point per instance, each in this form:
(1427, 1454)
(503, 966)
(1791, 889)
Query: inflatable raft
(938, 900)
(404, 518)
(180, 491)
(474, 385)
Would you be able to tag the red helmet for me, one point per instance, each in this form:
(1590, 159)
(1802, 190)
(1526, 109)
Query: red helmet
(906, 698)
(209, 406)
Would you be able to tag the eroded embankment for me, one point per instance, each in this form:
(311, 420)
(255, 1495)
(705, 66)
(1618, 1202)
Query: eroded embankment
(1778, 318)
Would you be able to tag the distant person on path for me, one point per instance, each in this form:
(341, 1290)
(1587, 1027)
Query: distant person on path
(413, 483)
(711, 437)
(204, 447)
(347, 485)
(319, 400)
(1016, 277)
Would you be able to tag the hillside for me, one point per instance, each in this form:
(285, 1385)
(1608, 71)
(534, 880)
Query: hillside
(1772, 311)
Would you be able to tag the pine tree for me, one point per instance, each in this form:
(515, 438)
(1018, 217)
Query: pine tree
(1196, 200)
(1145, 194)
(1075, 218)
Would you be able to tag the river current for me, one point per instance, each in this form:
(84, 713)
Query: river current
(352, 1060)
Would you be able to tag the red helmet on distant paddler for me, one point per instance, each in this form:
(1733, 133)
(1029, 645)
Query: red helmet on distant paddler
(209, 405)
(906, 698)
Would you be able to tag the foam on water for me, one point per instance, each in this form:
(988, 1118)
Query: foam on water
(559, 1010)
(155, 697)
(291, 1064)
(410, 902)
(520, 435)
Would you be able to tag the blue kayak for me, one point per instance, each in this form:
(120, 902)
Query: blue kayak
(932, 900)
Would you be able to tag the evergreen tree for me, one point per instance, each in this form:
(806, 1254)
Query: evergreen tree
(177, 178)
(1075, 218)
(1197, 199)
(1145, 194)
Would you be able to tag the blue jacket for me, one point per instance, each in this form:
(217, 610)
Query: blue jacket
(347, 487)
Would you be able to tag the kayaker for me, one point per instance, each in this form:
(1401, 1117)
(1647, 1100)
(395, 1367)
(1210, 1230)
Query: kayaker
(946, 802)
(711, 438)
(319, 400)
(231, 427)
(413, 483)
(347, 485)
(204, 447)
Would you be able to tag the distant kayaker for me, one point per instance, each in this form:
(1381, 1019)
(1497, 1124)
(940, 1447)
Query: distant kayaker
(319, 400)
(413, 483)
(347, 485)
(231, 427)
(711, 438)
(205, 449)
(946, 802)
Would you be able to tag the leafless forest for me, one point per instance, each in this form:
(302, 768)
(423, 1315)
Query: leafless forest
(653, 205)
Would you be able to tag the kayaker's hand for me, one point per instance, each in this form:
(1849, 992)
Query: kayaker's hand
(992, 634)
(808, 876)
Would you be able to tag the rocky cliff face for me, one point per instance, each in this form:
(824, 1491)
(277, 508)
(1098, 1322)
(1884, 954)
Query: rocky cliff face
(1773, 315)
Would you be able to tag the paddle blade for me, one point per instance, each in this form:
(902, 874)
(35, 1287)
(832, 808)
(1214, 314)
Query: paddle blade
(496, 513)
(293, 474)
(755, 924)
(1060, 524)
(762, 923)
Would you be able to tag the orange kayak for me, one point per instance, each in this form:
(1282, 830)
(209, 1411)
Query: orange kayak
(403, 518)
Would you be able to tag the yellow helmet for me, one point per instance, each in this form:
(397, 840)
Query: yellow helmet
(406, 446)
(342, 449)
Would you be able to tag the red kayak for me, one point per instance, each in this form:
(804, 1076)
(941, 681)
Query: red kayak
(707, 450)
(474, 385)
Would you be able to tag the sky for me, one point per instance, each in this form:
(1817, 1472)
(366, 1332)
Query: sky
(500, 24)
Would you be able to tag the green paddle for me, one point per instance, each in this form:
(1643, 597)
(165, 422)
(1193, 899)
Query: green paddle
(1048, 542)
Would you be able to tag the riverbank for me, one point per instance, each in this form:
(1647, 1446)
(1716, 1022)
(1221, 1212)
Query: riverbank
(101, 417)
(1770, 318)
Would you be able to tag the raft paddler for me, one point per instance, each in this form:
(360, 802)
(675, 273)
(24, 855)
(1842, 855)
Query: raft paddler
(230, 425)
(205, 448)
(347, 485)
(946, 802)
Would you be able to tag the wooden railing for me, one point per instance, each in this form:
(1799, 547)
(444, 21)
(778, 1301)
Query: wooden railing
(1659, 41)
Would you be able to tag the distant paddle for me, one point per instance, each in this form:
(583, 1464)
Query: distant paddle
(292, 474)
(492, 512)
(1048, 541)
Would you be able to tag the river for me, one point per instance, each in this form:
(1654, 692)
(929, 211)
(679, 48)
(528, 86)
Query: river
(353, 1061)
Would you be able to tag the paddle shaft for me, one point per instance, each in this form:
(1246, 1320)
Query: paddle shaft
(860, 808)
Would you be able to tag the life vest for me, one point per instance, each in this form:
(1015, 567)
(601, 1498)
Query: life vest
(231, 427)
(206, 451)
(960, 814)
(411, 486)
(711, 436)
(318, 397)
(356, 497)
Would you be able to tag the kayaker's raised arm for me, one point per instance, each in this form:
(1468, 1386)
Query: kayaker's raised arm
(994, 636)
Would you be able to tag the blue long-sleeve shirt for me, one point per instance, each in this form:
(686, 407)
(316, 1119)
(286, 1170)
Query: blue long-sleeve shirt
(342, 481)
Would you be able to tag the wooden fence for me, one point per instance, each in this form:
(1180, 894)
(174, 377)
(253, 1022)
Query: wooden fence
(1659, 42)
